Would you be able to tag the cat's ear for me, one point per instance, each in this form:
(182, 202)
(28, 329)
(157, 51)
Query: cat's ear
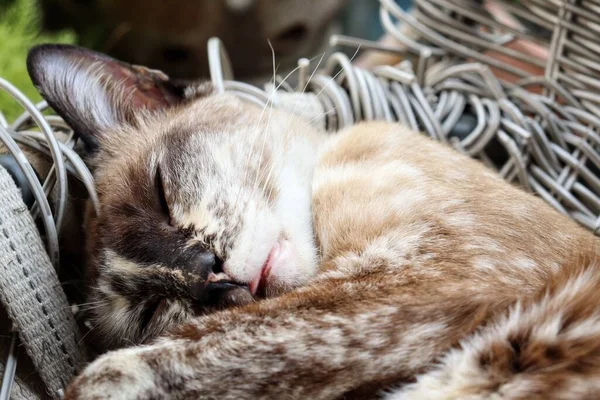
(95, 93)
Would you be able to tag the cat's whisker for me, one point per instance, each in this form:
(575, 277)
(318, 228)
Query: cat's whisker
(293, 112)
(308, 124)
(262, 149)
(294, 128)
(92, 306)
(271, 97)
(270, 105)
(314, 120)
(326, 85)
(91, 303)
(274, 93)
(273, 56)
(87, 310)
(270, 101)
(288, 133)
(87, 333)
(318, 117)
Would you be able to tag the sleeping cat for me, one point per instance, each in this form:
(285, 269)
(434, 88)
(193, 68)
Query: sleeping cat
(250, 255)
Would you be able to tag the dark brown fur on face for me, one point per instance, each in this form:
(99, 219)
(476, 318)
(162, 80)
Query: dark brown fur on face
(135, 217)
(434, 279)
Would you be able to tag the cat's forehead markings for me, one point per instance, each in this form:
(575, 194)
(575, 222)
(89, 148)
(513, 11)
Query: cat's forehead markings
(197, 216)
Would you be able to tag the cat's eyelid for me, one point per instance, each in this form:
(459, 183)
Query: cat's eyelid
(162, 198)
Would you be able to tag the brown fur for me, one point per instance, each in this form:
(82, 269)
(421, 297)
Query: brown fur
(376, 320)
(434, 279)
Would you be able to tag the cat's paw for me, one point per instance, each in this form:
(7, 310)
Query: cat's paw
(122, 374)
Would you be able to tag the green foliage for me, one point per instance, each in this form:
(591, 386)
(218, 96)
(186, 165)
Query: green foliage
(19, 30)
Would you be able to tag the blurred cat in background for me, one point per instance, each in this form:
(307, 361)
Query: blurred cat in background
(172, 35)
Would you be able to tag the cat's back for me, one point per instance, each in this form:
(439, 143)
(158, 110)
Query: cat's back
(385, 195)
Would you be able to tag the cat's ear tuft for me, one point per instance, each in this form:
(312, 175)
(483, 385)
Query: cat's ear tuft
(95, 93)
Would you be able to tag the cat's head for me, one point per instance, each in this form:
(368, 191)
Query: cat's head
(205, 199)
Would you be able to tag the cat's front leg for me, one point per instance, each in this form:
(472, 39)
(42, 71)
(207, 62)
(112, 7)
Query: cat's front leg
(316, 343)
(121, 374)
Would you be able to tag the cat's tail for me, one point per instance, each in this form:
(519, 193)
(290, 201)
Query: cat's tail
(546, 347)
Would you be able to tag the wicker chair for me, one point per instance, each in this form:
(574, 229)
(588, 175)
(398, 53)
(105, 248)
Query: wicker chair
(511, 84)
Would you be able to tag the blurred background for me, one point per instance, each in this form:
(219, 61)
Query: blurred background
(171, 35)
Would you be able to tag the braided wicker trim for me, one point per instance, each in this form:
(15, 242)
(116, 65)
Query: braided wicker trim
(32, 294)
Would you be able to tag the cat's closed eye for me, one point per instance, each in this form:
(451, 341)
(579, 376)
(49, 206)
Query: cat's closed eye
(162, 199)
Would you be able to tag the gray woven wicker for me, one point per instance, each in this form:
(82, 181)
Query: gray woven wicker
(538, 126)
(512, 84)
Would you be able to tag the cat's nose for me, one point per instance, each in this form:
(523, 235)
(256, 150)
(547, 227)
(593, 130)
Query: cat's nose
(208, 262)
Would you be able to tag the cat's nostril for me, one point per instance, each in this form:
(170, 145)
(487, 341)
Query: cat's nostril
(217, 266)
(210, 263)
